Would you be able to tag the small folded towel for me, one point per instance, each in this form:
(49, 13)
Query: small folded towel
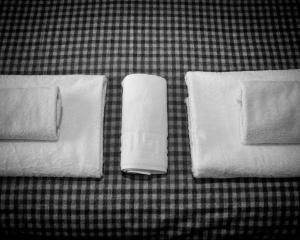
(144, 125)
(213, 113)
(79, 149)
(30, 113)
(270, 112)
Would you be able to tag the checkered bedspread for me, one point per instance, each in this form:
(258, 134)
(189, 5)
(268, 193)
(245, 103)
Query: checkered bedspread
(165, 38)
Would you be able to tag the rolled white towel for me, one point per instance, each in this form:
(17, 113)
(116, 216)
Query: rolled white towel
(270, 112)
(30, 113)
(144, 125)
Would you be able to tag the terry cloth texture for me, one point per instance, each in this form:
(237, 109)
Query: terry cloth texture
(78, 152)
(144, 125)
(30, 113)
(214, 127)
(270, 110)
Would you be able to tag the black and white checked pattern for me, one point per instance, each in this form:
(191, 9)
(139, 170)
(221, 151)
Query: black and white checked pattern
(165, 38)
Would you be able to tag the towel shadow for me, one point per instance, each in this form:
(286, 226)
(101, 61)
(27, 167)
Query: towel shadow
(140, 177)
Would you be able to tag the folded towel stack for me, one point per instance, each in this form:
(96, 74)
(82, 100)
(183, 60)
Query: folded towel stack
(30, 113)
(214, 125)
(78, 150)
(270, 112)
(144, 125)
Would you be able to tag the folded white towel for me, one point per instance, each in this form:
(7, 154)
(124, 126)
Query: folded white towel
(270, 112)
(30, 113)
(216, 149)
(78, 152)
(144, 125)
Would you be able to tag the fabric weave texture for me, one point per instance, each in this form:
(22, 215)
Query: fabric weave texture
(165, 38)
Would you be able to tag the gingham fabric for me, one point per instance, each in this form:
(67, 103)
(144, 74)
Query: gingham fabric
(165, 38)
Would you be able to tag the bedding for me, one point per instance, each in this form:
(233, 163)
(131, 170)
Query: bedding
(164, 38)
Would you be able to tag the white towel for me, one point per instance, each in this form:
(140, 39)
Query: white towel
(78, 152)
(270, 112)
(216, 149)
(144, 125)
(30, 113)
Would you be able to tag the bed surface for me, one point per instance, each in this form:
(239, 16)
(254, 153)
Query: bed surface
(166, 38)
